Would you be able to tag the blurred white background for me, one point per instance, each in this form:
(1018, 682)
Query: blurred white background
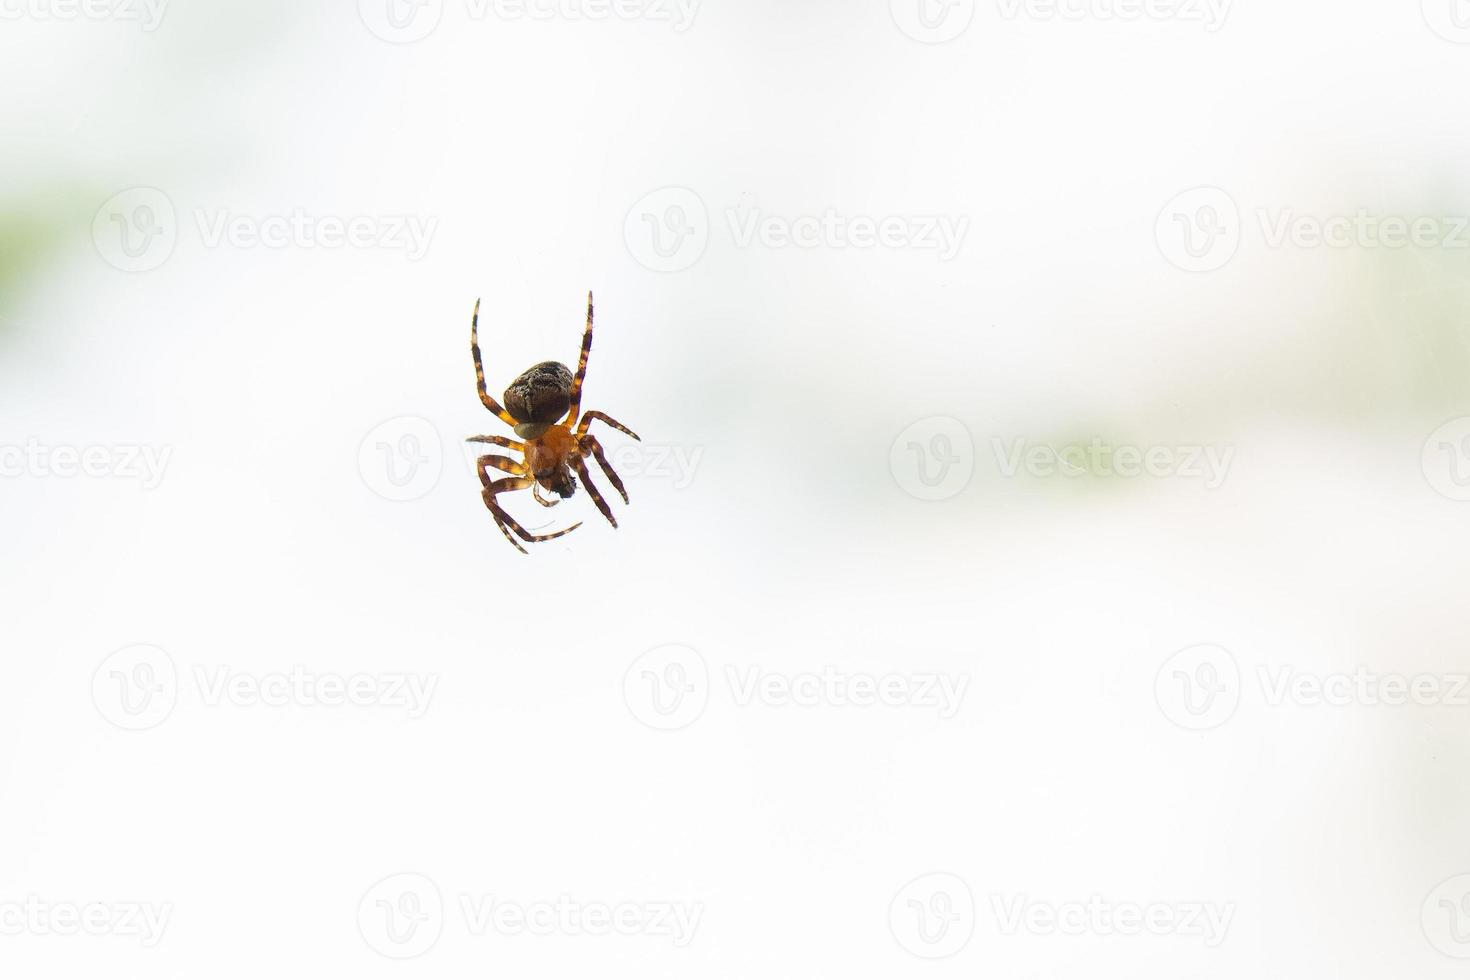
(1046, 546)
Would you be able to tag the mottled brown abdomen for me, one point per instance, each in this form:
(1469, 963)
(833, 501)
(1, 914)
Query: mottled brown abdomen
(542, 394)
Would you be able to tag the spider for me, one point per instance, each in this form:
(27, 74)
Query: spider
(536, 400)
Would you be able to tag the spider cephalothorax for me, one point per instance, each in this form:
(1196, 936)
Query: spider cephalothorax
(542, 407)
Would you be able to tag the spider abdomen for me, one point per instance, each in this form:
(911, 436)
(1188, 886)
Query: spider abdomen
(542, 394)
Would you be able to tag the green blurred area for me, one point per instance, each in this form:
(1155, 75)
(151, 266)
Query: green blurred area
(32, 235)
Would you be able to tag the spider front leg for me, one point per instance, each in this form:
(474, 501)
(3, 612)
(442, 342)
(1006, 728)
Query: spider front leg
(492, 489)
(595, 416)
(592, 491)
(576, 403)
(590, 444)
(485, 398)
(499, 441)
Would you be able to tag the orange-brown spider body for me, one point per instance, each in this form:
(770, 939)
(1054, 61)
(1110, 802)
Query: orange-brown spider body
(542, 406)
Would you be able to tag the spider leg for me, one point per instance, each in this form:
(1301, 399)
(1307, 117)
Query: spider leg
(581, 366)
(536, 492)
(593, 416)
(592, 489)
(504, 520)
(500, 463)
(485, 398)
(590, 442)
(499, 441)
